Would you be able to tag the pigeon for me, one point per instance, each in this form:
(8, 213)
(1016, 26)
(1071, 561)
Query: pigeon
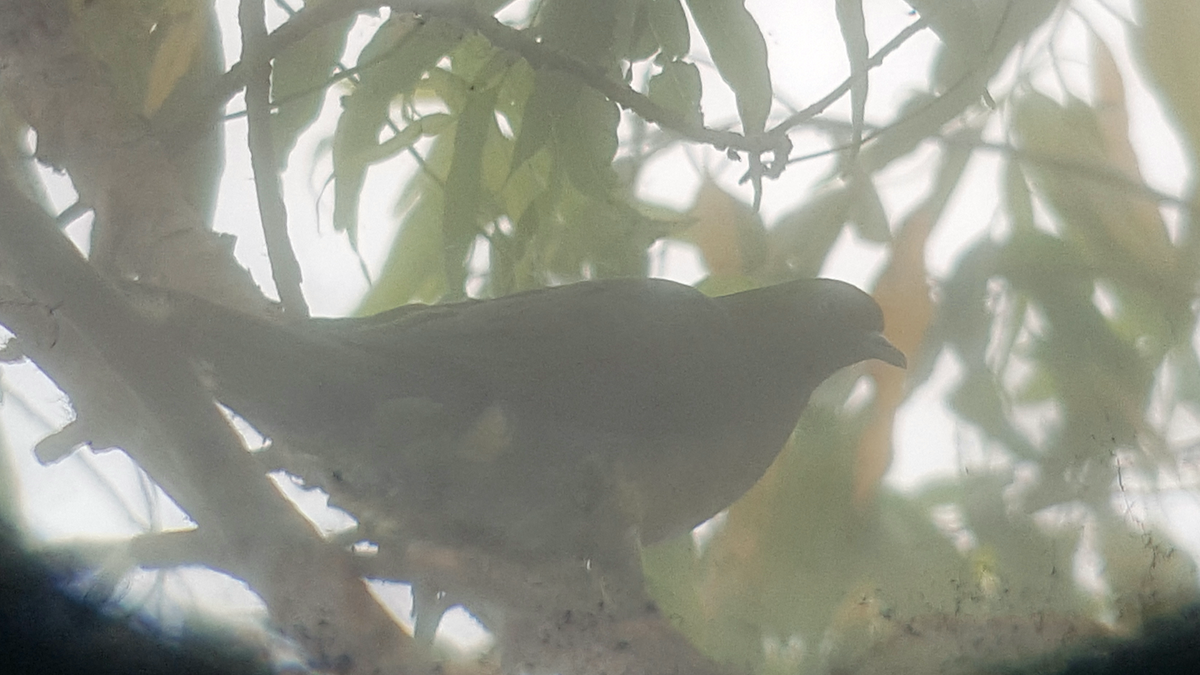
(561, 422)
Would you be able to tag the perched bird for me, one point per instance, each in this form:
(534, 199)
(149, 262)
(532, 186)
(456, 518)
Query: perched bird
(550, 422)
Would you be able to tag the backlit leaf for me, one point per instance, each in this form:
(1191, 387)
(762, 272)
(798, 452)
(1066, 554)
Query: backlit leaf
(740, 54)
(677, 88)
(297, 74)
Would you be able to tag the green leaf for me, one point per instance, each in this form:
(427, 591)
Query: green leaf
(633, 40)
(867, 211)
(296, 77)
(525, 184)
(406, 53)
(1171, 52)
(668, 23)
(414, 269)
(740, 54)
(673, 577)
(1103, 377)
(584, 233)
(802, 238)
(587, 142)
(854, 35)
(183, 33)
(725, 285)
(552, 94)
(447, 86)
(652, 27)
(1114, 227)
(1185, 365)
(514, 93)
(1018, 197)
(959, 26)
(677, 87)
(430, 125)
(497, 157)
(978, 400)
(461, 200)
(585, 29)
(470, 59)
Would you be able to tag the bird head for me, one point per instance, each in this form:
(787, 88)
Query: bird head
(822, 324)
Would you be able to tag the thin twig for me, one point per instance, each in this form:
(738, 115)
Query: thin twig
(829, 99)
(309, 18)
(539, 55)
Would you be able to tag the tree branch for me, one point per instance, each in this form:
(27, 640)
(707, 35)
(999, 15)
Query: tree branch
(285, 269)
(189, 449)
(145, 227)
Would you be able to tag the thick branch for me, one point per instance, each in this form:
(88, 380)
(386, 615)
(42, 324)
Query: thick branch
(145, 226)
(310, 587)
(133, 385)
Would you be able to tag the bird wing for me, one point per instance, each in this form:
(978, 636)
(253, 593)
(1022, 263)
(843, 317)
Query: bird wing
(628, 355)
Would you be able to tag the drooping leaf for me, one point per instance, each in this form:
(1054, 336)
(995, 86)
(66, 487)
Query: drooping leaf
(446, 86)
(461, 201)
(1168, 45)
(854, 35)
(1104, 382)
(1139, 226)
(297, 73)
(677, 87)
(581, 236)
(903, 293)
(415, 269)
(497, 157)
(801, 239)
(669, 24)
(586, 139)
(867, 212)
(552, 95)
(1003, 25)
(525, 184)
(122, 35)
(960, 27)
(1018, 198)
(585, 29)
(649, 27)
(406, 50)
(1100, 206)
(163, 57)
(633, 40)
(429, 125)
(740, 54)
(514, 93)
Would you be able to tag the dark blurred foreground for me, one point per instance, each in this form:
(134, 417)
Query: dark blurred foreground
(45, 628)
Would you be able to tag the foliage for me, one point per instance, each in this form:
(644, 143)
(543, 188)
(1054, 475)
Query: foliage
(1070, 324)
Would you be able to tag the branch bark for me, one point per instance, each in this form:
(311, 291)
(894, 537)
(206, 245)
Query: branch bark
(145, 228)
(180, 439)
(129, 386)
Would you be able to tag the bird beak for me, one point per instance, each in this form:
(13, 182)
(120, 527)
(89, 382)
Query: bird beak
(875, 346)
